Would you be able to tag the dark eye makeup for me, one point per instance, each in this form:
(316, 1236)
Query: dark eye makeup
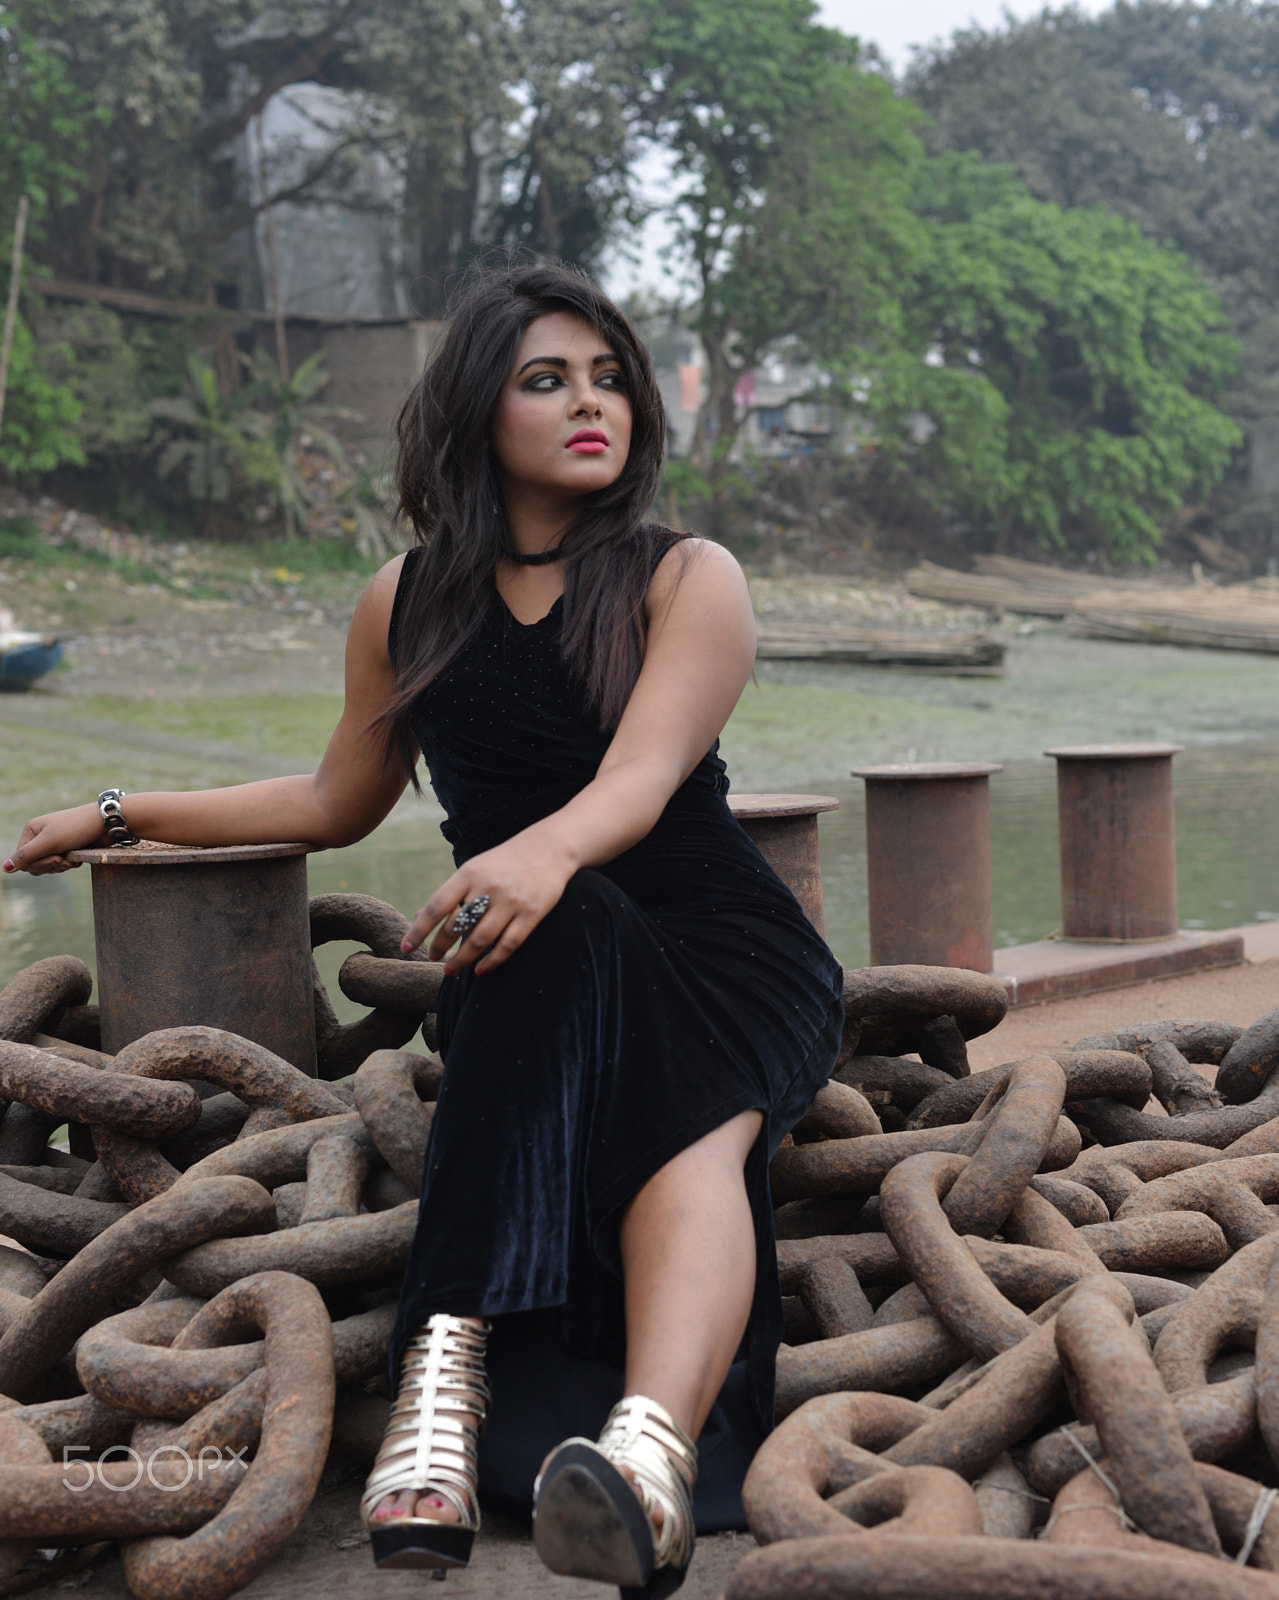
(548, 382)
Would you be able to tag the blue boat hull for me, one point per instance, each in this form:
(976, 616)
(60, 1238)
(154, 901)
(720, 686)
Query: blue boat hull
(21, 666)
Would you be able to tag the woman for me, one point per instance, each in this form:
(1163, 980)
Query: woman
(636, 1011)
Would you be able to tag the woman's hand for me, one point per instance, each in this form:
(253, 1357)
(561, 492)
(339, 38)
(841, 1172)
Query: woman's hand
(523, 879)
(45, 840)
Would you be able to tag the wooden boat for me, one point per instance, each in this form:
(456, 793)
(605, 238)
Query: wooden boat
(25, 657)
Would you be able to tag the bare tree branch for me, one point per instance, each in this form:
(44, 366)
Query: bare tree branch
(300, 65)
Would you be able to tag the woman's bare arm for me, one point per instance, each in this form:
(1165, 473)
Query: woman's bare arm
(700, 649)
(346, 798)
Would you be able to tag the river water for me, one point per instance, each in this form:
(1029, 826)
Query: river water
(802, 727)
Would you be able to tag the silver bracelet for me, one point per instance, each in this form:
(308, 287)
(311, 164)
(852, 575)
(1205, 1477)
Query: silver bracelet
(113, 818)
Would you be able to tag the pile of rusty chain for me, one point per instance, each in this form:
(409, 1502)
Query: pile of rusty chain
(1032, 1328)
(197, 1299)
(992, 1330)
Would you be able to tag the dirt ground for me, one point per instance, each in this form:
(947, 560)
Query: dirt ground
(1234, 994)
(328, 1558)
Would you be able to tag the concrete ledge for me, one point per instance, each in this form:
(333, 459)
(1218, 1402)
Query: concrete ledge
(1055, 969)
(1260, 941)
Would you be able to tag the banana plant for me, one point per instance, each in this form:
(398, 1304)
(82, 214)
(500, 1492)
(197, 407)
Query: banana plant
(222, 441)
(295, 421)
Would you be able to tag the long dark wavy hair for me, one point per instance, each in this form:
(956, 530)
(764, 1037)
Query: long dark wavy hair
(450, 493)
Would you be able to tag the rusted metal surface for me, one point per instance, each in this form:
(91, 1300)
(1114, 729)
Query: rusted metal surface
(40, 992)
(1233, 1193)
(1215, 1423)
(1116, 1074)
(1177, 1086)
(86, 1286)
(896, 1081)
(1227, 1307)
(391, 1088)
(890, 1003)
(928, 863)
(341, 1047)
(837, 1567)
(1267, 1353)
(344, 1250)
(1119, 1124)
(837, 1112)
(396, 983)
(1118, 848)
(1199, 1039)
(1021, 1122)
(297, 1420)
(881, 1359)
(986, 1265)
(1036, 1341)
(218, 938)
(257, 1077)
(1174, 1242)
(62, 1088)
(1119, 1387)
(784, 829)
(1248, 1066)
(286, 1181)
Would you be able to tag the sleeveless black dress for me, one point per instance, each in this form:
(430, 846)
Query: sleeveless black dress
(669, 990)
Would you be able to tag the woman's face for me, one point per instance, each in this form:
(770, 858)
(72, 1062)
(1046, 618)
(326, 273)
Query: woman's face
(563, 422)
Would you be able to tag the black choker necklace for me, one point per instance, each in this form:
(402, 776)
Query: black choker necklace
(542, 558)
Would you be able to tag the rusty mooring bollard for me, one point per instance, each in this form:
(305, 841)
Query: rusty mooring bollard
(928, 861)
(1118, 857)
(784, 826)
(215, 937)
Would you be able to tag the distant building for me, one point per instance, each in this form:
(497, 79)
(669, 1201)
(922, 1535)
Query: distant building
(781, 415)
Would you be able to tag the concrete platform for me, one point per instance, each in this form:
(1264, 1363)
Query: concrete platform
(1237, 994)
(1056, 969)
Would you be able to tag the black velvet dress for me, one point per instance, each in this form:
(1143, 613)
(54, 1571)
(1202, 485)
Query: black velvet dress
(669, 990)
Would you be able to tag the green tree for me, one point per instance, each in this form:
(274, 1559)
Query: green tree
(1164, 112)
(793, 169)
(222, 443)
(46, 120)
(40, 416)
(85, 349)
(295, 419)
(45, 131)
(1057, 372)
(576, 84)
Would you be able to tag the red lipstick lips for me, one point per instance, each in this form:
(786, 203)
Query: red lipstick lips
(588, 442)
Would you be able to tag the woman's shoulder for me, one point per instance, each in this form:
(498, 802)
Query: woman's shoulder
(686, 558)
(376, 609)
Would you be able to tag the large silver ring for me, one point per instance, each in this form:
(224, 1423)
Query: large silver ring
(469, 914)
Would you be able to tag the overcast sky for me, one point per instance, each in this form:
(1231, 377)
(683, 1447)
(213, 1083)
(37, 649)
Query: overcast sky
(894, 28)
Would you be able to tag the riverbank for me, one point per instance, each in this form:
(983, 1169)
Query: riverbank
(187, 668)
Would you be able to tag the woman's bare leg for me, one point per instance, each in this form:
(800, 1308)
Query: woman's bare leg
(688, 1258)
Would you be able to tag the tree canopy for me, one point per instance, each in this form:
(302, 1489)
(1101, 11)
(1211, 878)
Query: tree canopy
(1030, 331)
(793, 169)
(1066, 365)
(1163, 112)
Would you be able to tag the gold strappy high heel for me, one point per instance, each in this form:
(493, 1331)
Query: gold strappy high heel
(590, 1522)
(430, 1446)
